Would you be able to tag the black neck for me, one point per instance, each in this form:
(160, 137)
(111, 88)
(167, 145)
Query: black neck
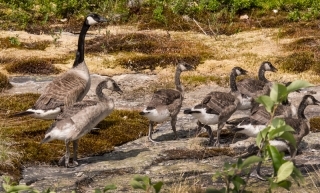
(82, 36)
(177, 79)
(102, 85)
(301, 109)
(233, 84)
(261, 75)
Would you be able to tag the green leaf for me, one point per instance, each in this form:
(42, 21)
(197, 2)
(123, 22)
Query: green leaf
(249, 161)
(157, 186)
(298, 84)
(285, 184)
(137, 185)
(284, 171)
(237, 182)
(276, 158)
(262, 136)
(109, 187)
(289, 137)
(277, 122)
(266, 101)
(97, 191)
(18, 188)
(239, 162)
(278, 93)
(297, 176)
(279, 131)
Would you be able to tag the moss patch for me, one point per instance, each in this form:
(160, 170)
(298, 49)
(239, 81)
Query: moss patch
(297, 62)
(34, 65)
(26, 133)
(4, 82)
(315, 124)
(138, 63)
(147, 51)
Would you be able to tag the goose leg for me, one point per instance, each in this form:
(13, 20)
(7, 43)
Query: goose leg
(256, 172)
(209, 131)
(173, 125)
(150, 132)
(75, 152)
(220, 126)
(66, 157)
(199, 127)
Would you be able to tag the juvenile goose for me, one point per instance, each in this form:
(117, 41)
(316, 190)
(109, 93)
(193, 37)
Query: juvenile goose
(68, 88)
(80, 118)
(256, 87)
(217, 107)
(166, 103)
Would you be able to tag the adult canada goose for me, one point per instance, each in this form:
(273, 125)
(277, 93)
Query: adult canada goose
(256, 87)
(301, 128)
(166, 103)
(80, 118)
(68, 88)
(217, 107)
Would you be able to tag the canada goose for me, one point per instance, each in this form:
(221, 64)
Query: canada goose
(217, 107)
(166, 103)
(301, 126)
(80, 118)
(256, 87)
(68, 88)
(259, 118)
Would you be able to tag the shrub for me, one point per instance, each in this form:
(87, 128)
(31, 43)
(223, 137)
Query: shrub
(4, 82)
(33, 65)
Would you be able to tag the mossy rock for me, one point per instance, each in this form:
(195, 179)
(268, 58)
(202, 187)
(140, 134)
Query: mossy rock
(119, 127)
(4, 82)
(33, 65)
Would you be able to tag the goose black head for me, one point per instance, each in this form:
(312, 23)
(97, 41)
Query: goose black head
(113, 86)
(239, 71)
(183, 66)
(267, 66)
(310, 100)
(94, 18)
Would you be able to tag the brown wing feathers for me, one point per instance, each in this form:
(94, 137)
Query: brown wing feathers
(55, 93)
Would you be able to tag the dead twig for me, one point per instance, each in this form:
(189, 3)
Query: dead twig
(199, 26)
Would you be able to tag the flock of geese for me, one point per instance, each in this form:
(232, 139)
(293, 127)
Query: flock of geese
(62, 101)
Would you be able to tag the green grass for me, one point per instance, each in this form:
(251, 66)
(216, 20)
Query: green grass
(214, 16)
(14, 42)
(25, 134)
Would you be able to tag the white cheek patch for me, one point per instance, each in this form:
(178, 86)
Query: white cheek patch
(182, 67)
(267, 66)
(91, 21)
(238, 72)
(110, 85)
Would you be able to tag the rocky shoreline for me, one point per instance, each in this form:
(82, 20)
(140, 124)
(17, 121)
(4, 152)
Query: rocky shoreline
(186, 160)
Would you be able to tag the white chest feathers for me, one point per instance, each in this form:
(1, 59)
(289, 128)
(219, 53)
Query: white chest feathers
(157, 115)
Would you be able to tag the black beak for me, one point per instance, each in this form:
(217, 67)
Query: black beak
(103, 19)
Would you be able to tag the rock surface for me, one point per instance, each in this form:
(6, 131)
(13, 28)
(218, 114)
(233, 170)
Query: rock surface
(175, 162)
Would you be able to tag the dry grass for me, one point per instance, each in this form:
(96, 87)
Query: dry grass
(4, 82)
